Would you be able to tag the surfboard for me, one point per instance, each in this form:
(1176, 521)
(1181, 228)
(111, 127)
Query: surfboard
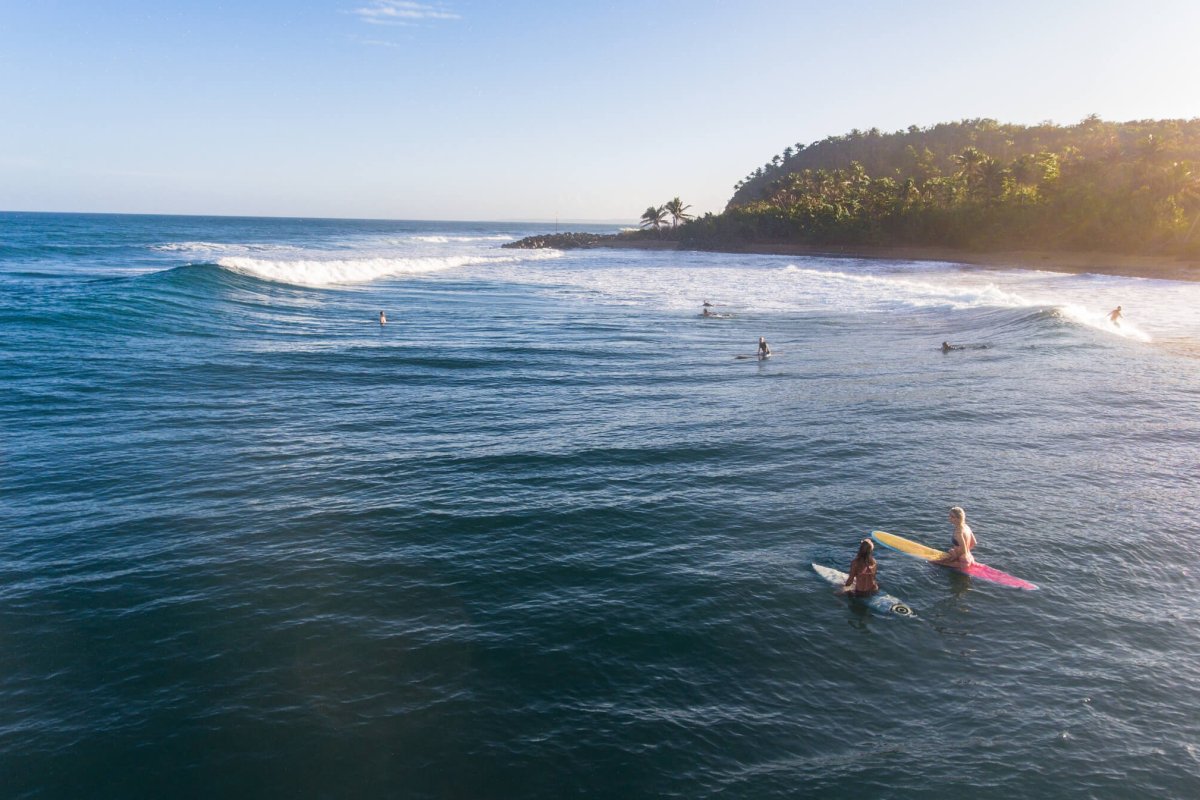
(883, 603)
(755, 355)
(976, 570)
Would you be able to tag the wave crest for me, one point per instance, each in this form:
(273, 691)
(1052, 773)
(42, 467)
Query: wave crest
(335, 272)
(1099, 320)
(222, 247)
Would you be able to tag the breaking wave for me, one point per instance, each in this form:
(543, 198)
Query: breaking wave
(335, 272)
(220, 247)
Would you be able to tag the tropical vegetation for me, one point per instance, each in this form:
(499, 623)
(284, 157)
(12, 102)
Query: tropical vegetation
(654, 217)
(1097, 185)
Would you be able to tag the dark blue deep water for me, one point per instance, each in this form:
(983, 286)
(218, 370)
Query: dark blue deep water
(542, 536)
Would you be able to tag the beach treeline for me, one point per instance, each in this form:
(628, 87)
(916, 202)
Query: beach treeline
(1131, 187)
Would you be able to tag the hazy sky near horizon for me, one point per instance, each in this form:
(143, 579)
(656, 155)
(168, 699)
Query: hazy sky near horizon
(527, 110)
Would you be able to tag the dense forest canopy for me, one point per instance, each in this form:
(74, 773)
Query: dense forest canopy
(1124, 187)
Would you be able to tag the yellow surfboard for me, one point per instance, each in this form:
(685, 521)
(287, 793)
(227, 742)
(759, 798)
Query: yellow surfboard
(907, 546)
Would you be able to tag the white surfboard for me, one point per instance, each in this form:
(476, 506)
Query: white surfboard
(883, 603)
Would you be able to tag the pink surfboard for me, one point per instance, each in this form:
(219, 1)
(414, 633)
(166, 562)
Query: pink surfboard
(976, 570)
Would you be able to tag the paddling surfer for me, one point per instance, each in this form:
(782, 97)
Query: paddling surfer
(959, 554)
(764, 349)
(861, 582)
(947, 347)
(1115, 315)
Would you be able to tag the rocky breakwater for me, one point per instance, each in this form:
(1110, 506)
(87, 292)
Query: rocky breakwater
(642, 240)
(562, 241)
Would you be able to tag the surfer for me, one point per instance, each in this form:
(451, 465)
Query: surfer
(764, 349)
(1115, 315)
(706, 312)
(947, 347)
(382, 318)
(959, 553)
(861, 582)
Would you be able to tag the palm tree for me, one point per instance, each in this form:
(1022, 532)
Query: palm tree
(970, 163)
(677, 210)
(973, 166)
(654, 216)
(992, 179)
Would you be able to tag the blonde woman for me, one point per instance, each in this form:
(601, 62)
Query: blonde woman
(959, 554)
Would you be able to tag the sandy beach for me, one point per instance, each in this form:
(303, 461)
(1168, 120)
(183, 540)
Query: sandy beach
(1160, 267)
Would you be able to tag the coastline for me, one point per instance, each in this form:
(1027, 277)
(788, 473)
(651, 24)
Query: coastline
(1129, 266)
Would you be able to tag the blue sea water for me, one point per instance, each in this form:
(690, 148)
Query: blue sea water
(542, 535)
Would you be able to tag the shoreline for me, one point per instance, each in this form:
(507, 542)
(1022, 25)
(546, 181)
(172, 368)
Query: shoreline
(1074, 262)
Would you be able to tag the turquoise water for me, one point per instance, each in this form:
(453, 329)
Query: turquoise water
(542, 535)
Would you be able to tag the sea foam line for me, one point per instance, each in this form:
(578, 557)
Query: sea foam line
(334, 272)
(219, 247)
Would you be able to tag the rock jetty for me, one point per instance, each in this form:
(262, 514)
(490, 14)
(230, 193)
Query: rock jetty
(563, 241)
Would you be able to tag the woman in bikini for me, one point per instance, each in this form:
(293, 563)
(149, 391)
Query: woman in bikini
(959, 553)
(861, 582)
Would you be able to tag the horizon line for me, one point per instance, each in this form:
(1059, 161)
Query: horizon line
(510, 220)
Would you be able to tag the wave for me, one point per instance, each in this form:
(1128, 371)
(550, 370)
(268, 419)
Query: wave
(447, 239)
(970, 302)
(916, 293)
(221, 247)
(1099, 321)
(921, 293)
(340, 272)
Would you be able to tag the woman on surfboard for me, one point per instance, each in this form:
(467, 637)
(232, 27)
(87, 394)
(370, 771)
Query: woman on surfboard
(959, 553)
(861, 582)
(764, 349)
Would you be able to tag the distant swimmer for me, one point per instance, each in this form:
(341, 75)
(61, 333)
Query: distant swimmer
(1115, 315)
(947, 347)
(706, 312)
(861, 581)
(764, 349)
(963, 543)
(382, 318)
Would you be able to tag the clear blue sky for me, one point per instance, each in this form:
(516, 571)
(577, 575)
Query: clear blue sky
(468, 109)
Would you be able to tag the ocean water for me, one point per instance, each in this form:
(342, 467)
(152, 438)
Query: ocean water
(543, 535)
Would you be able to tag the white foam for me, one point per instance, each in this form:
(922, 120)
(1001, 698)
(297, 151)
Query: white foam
(680, 281)
(869, 289)
(448, 239)
(193, 247)
(787, 288)
(1100, 321)
(221, 247)
(334, 272)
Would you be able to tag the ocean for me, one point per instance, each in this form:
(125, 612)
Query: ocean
(542, 535)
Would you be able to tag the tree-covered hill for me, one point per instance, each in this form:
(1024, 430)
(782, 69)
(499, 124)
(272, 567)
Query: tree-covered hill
(1123, 187)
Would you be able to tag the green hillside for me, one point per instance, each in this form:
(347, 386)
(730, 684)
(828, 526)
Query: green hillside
(1121, 187)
